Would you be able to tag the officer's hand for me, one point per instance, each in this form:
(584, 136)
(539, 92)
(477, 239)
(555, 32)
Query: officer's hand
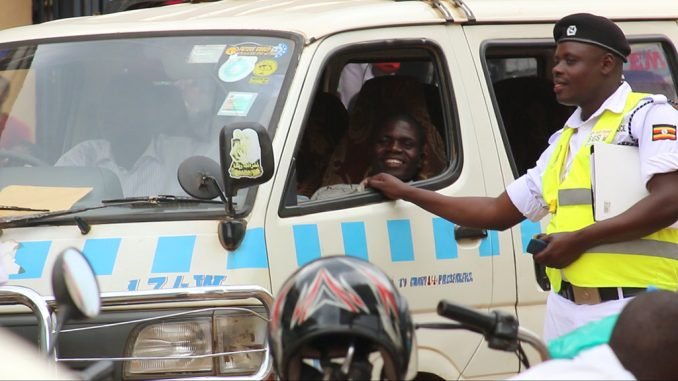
(387, 184)
(562, 250)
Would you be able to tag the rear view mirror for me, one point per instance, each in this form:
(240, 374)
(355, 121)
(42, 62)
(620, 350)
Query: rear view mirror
(201, 177)
(246, 156)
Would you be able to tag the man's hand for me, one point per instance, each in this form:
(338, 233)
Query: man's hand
(562, 250)
(389, 185)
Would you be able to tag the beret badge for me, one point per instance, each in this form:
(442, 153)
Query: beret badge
(571, 30)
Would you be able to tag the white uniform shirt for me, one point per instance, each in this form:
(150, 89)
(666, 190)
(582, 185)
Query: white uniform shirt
(660, 156)
(155, 172)
(597, 363)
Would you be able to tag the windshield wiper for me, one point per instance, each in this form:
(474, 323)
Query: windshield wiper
(21, 209)
(160, 200)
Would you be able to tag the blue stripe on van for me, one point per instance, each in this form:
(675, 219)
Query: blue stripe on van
(489, 246)
(101, 254)
(31, 256)
(306, 243)
(173, 254)
(252, 252)
(400, 240)
(355, 240)
(527, 230)
(443, 236)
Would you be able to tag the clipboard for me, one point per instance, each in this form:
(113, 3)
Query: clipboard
(616, 180)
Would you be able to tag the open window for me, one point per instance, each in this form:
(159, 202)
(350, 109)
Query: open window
(649, 70)
(520, 75)
(360, 92)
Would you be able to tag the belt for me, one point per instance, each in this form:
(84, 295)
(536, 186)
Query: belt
(595, 295)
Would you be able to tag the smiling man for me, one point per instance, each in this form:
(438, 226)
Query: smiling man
(594, 267)
(397, 149)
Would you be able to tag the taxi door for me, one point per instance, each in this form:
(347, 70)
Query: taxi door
(524, 53)
(427, 257)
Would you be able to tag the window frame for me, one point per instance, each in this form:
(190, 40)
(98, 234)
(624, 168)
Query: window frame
(380, 51)
(532, 45)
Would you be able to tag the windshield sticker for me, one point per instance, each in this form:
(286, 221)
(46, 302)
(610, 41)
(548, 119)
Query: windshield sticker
(280, 50)
(245, 155)
(8, 265)
(265, 68)
(253, 49)
(206, 53)
(237, 104)
(237, 68)
(259, 80)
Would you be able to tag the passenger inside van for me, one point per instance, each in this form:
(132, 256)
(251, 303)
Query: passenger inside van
(326, 124)
(353, 75)
(396, 149)
(379, 97)
(141, 139)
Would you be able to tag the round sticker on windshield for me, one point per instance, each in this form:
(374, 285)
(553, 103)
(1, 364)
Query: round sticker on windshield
(237, 68)
(265, 68)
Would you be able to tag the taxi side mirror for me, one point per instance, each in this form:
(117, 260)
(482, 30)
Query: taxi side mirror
(246, 156)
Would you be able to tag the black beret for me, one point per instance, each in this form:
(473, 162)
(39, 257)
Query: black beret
(592, 29)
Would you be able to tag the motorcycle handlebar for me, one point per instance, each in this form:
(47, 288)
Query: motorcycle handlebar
(483, 323)
(492, 326)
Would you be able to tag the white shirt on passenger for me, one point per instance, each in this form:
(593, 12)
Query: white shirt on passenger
(597, 363)
(351, 80)
(155, 172)
(656, 156)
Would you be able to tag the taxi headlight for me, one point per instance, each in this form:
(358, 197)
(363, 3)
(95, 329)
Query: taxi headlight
(174, 340)
(242, 333)
(169, 348)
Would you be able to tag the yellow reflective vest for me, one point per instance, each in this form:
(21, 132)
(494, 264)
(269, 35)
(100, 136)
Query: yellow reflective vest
(650, 261)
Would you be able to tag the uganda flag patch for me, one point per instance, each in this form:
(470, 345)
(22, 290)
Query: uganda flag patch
(663, 132)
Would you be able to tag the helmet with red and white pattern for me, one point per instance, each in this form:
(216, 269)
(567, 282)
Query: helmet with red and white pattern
(341, 307)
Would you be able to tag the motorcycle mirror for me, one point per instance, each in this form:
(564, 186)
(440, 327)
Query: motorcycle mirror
(75, 286)
(200, 177)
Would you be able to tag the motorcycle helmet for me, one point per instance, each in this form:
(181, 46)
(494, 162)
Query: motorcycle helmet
(334, 316)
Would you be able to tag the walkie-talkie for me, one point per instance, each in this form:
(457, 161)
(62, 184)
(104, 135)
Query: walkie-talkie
(536, 245)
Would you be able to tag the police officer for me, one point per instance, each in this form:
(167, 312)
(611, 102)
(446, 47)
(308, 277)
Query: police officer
(594, 267)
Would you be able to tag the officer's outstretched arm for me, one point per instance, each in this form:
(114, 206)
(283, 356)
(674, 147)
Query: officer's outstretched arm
(497, 213)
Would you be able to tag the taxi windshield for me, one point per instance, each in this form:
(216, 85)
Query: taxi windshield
(87, 121)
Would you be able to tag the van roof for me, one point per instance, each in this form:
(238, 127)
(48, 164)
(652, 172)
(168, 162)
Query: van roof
(316, 18)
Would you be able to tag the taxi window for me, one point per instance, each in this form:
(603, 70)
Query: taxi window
(527, 111)
(648, 70)
(120, 115)
(512, 67)
(358, 95)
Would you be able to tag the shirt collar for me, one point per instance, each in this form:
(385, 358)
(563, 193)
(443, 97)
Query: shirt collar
(614, 103)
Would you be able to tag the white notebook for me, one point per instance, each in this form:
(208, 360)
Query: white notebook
(616, 181)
